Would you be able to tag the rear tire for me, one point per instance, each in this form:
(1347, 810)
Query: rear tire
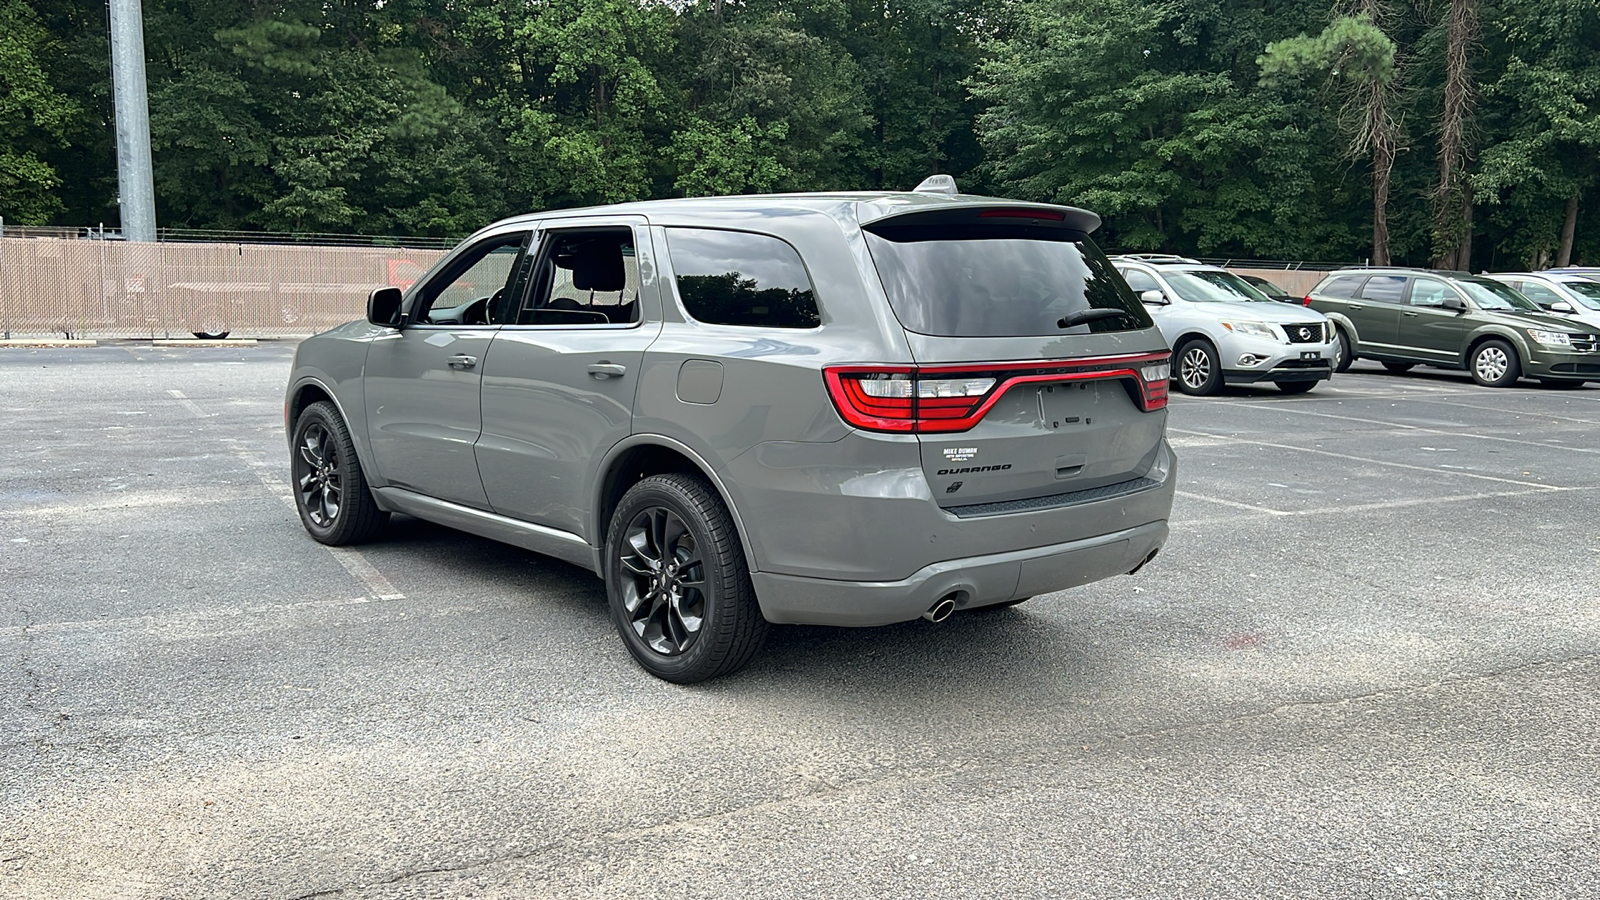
(330, 490)
(677, 581)
(1398, 367)
(1494, 364)
(1199, 369)
(1296, 387)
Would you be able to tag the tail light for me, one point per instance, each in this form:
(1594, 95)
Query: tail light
(926, 399)
(1306, 301)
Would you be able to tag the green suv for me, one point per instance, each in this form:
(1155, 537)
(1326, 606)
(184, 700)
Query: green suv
(1453, 320)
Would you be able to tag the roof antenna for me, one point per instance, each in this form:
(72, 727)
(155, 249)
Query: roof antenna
(937, 184)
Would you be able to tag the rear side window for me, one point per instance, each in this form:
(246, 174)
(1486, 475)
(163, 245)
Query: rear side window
(1341, 288)
(739, 278)
(1384, 288)
(961, 280)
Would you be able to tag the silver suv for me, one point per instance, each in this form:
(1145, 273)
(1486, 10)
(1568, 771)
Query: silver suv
(1224, 331)
(847, 409)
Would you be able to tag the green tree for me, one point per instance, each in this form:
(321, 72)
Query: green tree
(34, 117)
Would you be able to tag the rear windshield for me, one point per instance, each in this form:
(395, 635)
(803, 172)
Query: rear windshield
(998, 280)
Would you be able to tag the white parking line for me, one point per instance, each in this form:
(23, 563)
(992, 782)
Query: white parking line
(208, 615)
(352, 560)
(1371, 461)
(190, 405)
(1234, 503)
(1368, 507)
(1419, 428)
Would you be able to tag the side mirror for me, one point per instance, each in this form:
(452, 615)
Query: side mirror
(1153, 297)
(1453, 303)
(383, 307)
(1560, 306)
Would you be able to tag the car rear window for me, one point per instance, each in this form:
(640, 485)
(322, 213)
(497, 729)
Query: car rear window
(984, 280)
(740, 278)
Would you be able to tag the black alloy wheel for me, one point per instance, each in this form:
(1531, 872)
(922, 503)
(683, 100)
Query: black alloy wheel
(330, 490)
(677, 581)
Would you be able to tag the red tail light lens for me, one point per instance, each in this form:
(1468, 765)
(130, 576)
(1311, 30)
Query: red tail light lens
(1306, 301)
(932, 399)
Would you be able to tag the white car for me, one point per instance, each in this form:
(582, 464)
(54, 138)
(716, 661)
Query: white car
(1575, 297)
(1223, 331)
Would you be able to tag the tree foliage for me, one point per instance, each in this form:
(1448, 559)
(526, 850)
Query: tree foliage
(1443, 130)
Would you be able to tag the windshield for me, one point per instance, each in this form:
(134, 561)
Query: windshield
(1588, 292)
(959, 280)
(1494, 295)
(1214, 287)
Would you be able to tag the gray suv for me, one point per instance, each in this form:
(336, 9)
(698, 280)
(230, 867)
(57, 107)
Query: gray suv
(847, 409)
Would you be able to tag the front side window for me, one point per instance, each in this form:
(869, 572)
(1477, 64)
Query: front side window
(740, 278)
(1538, 293)
(465, 291)
(972, 280)
(584, 277)
(1430, 292)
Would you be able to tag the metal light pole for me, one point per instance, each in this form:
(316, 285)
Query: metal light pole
(135, 183)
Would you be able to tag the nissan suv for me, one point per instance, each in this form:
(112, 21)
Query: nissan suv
(1224, 331)
(844, 409)
(1453, 320)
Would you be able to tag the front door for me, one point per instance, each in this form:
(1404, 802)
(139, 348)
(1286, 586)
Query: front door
(560, 379)
(1432, 330)
(422, 381)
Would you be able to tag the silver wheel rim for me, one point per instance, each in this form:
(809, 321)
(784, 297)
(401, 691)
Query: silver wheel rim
(1196, 368)
(1492, 364)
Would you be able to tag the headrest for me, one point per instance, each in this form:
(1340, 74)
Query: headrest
(597, 266)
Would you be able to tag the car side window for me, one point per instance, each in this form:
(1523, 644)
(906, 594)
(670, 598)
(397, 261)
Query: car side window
(1140, 281)
(584, 277)
(1342, 288)
(466, 291)
(740, 278)
(1538, 293)
(1430, 292)
(1384, 288)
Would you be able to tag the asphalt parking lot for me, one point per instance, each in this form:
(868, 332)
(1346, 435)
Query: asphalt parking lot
(1365, 665)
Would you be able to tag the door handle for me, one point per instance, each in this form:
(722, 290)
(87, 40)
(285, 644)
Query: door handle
(607, 370)
(1357, 306)
(1408, 313)
(462, 361)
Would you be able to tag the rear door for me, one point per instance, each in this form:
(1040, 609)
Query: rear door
(1375, 312)
(1031, 356)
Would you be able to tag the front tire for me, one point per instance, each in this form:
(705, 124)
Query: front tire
(1296, 387)
(1342, 355)
(1199, 369)
(1494, 364)
(330, 490)
(677, 581)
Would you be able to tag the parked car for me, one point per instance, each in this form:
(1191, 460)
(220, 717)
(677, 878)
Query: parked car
(1453, 320)
(847, 409)
(1573, 297)
(1272, 291)
(1223, 331)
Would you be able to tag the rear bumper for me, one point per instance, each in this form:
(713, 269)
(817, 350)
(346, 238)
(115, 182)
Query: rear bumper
(975, 581)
